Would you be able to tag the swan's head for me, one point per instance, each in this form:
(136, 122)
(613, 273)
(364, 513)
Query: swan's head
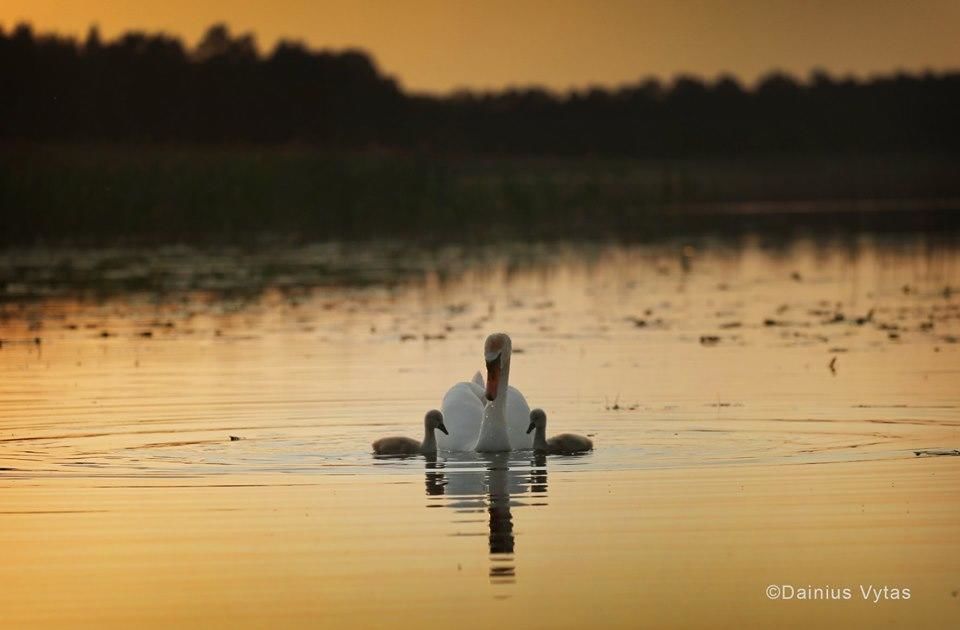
(496, 351)
(434, 420)
(538, 419)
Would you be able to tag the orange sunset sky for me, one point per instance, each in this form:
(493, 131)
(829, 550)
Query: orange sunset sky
(438, 46)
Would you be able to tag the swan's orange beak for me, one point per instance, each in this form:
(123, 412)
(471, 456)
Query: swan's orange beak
(493, 377)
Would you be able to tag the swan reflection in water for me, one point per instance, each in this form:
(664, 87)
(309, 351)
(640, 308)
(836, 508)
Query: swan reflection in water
(473, 483)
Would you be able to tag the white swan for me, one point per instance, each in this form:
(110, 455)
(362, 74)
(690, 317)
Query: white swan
(563, 444)
(487, 418)
(396, 445)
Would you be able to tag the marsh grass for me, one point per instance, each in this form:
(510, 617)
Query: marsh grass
(91, 192)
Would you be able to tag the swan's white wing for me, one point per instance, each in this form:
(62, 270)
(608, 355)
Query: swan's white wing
(476, 384)
(462, 414)
(518, 419)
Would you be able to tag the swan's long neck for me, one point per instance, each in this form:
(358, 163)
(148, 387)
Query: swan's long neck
(429, 444)
(540, 438)
(500, 402)
(493, 430)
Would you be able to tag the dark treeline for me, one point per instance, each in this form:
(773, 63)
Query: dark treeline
(151, 88)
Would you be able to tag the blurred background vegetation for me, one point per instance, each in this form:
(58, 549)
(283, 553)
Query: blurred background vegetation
(140, 138)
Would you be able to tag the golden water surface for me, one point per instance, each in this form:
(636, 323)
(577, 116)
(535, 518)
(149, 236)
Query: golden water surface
(764, 414)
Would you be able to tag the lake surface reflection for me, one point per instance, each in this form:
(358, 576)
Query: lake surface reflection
(489, 485)
(185, 434)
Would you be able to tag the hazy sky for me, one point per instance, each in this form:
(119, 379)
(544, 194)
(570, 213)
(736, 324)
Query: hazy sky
(439, 45)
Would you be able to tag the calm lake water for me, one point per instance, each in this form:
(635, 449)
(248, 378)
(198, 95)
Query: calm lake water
(782, 413)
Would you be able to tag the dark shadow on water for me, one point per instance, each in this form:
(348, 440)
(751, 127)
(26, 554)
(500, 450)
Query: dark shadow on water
(474, 483)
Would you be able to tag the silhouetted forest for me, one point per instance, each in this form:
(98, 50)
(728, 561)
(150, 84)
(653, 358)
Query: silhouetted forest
(151, 88)
(142, 138)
